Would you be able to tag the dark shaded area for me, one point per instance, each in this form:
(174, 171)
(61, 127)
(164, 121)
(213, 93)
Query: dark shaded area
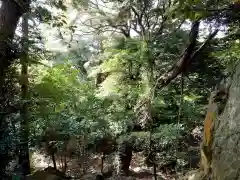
(143, 174)
(125, 156)
(10, 14)
(99, 177)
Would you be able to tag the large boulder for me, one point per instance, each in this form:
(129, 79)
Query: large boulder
(226, 142)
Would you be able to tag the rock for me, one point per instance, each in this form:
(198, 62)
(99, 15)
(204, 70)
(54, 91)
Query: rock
(42, 175)
(49, 173)
(54, 171)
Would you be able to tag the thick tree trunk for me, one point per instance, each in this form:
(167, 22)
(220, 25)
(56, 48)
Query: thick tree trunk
(226, 143)
(10, 13)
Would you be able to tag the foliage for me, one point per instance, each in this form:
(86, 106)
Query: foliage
(69, 105)
(10, 128)
(132, 43)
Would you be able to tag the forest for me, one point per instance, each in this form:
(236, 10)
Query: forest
(119, 89)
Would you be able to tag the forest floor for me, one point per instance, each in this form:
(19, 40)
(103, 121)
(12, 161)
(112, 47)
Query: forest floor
(137, 168)
(142, 172)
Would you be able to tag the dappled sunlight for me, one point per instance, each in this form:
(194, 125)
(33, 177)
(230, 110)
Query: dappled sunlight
(40, 161)
(138, 169)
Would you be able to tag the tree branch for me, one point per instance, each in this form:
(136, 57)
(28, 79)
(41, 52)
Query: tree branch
(126, 33)
(139, 20)
(210, 37)
(186, 58)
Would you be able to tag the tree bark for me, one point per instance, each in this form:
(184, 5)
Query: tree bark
(226, 142)
(24, 161)
(10, 13)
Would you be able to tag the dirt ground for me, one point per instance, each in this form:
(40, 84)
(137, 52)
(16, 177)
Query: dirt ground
(78, 167)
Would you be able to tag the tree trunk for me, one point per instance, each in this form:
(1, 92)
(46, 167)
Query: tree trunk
(125, 156)
(10, 13)
(226, 143)
(24, 161)
(54, 160)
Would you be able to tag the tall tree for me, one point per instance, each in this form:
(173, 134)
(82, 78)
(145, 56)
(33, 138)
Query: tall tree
(10, 13)
(24, 131)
